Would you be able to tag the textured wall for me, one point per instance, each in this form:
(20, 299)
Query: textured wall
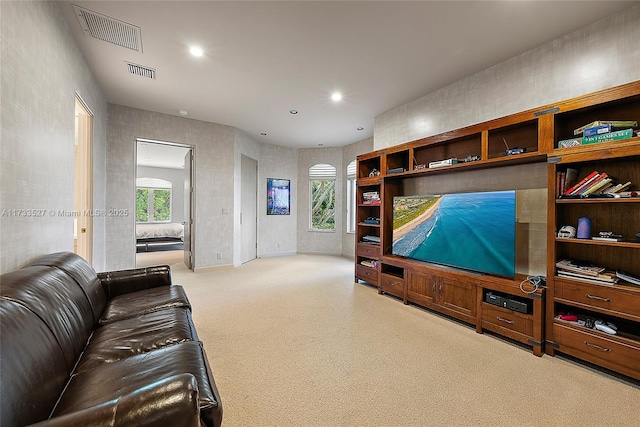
(277, 234)
(213, 143)
(599, 56)
(42, 70)
(326, 242)
(349, 154)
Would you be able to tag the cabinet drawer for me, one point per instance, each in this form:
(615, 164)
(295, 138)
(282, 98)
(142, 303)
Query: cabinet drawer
(507, 319)
(605, 297)
(393, 285)
(616, 354)
(371, 251)
(369, 275)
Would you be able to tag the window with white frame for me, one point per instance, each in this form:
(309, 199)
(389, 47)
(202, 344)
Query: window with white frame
(153, 200)
(322, 197)
(351, 197)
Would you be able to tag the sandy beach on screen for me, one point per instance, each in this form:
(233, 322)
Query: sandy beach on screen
(401, 231)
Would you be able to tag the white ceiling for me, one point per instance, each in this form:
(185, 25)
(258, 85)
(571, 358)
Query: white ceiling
(265, 58)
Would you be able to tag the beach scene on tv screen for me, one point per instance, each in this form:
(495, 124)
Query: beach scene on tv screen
(474, 231)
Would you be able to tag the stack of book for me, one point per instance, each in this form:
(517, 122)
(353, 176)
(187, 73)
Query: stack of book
(595, 184)
(628, 278)
(600, 131)
(371, 263)
(371, 198)
(586, 271)
(371, 239)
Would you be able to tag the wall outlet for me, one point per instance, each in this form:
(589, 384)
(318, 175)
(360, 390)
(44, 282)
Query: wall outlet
(218, 255)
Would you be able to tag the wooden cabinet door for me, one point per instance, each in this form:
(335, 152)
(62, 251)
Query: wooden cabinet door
(458, 296)
(422, 288)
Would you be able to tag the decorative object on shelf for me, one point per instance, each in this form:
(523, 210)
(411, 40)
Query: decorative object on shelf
(471, 159)
(374, 172)
(512, 151)
(567, 232)
(608, 236)
(584, 228)
(278, 196)
(446, 162)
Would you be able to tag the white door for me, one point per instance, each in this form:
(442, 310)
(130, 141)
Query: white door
(248, 209)
(83, 185)
(188, 209)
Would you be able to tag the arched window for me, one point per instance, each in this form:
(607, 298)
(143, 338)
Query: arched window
(351, 197)
(153, 200)
(322, 190)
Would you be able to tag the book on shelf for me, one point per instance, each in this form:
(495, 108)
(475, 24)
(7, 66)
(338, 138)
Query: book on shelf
(597, 186)
(571, 142)
(613, 123)
(604, 277)
(618, 188)
(611, 136)
(570, 179)
(628, 277)
(371, 263)
(597, 130)
(584, 183)
(588, 279)
(371, 239)
(608, 239)
(582, 267)
(371, 202)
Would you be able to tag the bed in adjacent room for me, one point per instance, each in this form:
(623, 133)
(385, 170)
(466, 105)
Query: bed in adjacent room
(159, 236)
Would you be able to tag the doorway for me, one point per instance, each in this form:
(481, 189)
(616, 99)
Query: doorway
(164, 203)
(83, 183)
(248, 209)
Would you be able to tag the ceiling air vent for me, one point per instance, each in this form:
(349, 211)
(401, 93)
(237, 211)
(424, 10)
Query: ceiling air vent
(109, 29)
(141, 70)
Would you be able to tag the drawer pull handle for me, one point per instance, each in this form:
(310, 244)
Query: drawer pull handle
(599, 298)
(597, 347)
(505, 320)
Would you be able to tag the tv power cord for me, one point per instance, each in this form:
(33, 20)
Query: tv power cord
(536, 281)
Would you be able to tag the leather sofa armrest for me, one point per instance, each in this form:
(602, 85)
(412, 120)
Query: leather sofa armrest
(171, 402)
(137, 279)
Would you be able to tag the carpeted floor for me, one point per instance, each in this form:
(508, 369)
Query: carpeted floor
(293, 341)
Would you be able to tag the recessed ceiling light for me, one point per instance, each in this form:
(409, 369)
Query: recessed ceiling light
(294, 112)
(360, 128)
(196, 51)
(336, 96)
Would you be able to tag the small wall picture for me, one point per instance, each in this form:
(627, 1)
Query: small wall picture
(278, 196)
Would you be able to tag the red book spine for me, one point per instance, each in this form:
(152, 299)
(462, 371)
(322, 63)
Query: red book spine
(581, 182)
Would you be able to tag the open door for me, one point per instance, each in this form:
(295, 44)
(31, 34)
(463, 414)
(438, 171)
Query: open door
(188, 209)
(83, 184)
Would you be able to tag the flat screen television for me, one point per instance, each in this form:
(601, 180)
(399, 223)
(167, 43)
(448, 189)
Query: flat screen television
(472, 231)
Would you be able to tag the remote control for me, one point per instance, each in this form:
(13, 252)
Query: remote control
(604, 328)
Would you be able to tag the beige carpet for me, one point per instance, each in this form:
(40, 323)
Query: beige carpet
(147, 259)
(293, 341)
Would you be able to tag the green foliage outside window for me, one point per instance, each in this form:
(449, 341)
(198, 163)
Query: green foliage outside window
(153, 205)
(142, 205)
(323, 199)
(162, 205)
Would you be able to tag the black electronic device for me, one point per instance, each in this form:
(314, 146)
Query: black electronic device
(508, 303)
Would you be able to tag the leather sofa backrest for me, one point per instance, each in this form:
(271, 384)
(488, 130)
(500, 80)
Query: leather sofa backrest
(83, 273)
(33, 368)
(58, 300)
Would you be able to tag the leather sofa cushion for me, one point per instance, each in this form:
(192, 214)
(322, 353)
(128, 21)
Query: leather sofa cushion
(112, 380)
(173, 401)
(58, 300)
(136, 335)
(33, 369)
(125, 281)
(83, 273)
(145, 301)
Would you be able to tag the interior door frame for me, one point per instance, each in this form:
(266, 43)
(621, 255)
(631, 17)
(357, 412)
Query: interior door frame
(192, 223)
(83, 175)
(254, 219)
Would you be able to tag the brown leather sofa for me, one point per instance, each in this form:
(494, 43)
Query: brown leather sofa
(109, 349)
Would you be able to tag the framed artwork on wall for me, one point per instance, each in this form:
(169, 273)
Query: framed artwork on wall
(278, 196)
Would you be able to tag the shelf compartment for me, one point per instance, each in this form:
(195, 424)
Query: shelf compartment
(365, 166)
(398, 160)
(625, 108)
(521, 135)
(458, 148)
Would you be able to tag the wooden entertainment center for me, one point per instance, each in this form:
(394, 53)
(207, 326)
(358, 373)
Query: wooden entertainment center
(403, 170)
